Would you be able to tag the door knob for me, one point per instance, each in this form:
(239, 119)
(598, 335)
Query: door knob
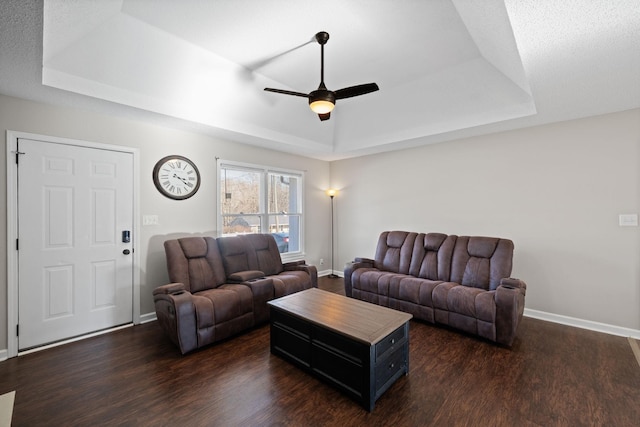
(126, 252)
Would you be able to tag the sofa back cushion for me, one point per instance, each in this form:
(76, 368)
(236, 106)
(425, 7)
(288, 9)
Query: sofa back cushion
(237, 254)
(481, 262)
(195, 262)
(394, 250)
(431, 257)
(267, 254)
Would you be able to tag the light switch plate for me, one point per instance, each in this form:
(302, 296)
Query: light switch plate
(150, 220)
(628, 220)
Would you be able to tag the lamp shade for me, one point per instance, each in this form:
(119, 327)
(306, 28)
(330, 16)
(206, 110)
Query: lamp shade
(332, 192)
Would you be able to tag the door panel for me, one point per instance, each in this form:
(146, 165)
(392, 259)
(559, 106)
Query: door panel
(73, 204)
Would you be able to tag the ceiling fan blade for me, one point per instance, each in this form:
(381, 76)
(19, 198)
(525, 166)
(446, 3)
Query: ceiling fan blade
(286, 92)
(324, 117)
(348, 92)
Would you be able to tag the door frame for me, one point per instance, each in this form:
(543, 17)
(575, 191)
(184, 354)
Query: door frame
(12, 224)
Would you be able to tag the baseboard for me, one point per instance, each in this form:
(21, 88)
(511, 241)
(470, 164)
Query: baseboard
(3, 355)
(328, 272)
(583, 324)
(149, 317)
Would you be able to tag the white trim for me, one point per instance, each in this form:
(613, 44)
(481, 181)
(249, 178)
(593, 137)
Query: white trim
(12, 222)
(583, 324)
(12, 233)
(149, 317)
(3, 355)
(328, 272)
(74, 339)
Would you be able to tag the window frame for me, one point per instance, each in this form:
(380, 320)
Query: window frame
(264, 171)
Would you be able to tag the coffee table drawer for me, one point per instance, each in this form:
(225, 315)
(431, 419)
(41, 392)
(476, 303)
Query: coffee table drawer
(391, 342)
(386, 369)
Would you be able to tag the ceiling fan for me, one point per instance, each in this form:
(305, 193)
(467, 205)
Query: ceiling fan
(322, 100)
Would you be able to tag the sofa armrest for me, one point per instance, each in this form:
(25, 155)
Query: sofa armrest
(171, 288)
(245, 276)
(175, 311)
(291, 264)
(262, 290)
(311, 270)
(511, 282)
(352, 266)
(509, 299)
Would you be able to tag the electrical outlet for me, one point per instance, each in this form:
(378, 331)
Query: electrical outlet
(321, 261)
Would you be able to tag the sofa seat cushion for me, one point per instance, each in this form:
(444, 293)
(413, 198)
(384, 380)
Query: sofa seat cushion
(378, 281)
(472, 302)
(414, 290)
(290, 281)
(222, 304)
(366, 279)
(413, 295)
(389, 287)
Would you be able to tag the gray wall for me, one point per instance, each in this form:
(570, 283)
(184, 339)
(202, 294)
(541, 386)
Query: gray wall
(196, 215)
(555, 190)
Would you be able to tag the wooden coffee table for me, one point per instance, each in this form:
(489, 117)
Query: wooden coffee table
(359, 347)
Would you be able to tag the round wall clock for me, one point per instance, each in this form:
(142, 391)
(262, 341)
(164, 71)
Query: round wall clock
(176, 177)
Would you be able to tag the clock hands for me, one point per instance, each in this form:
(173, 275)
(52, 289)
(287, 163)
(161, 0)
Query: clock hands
(181, 179)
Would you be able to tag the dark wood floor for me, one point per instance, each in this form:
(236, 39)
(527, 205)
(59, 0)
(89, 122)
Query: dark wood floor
(553, 376)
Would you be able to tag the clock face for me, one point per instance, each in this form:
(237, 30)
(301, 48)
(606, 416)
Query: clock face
(176, 177)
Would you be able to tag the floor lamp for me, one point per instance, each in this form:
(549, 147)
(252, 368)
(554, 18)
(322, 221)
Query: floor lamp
(331, 193)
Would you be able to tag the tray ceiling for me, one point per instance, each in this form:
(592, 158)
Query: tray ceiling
(446, 68)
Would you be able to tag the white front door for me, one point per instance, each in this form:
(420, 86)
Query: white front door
(75, 268)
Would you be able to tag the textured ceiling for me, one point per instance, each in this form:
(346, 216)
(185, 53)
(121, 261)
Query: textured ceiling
(446, 68)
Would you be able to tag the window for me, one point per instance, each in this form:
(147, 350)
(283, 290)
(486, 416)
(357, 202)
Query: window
(257, 199)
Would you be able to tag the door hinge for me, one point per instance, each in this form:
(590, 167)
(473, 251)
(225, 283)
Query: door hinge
(17, 244)
(18, 155)
(17, 330)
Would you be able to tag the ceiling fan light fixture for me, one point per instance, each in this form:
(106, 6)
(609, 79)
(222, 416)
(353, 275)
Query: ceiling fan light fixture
(321, 106)
(322, 101)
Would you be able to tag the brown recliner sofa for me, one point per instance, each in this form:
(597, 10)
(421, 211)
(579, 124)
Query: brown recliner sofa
(221, 286)
(459, 281)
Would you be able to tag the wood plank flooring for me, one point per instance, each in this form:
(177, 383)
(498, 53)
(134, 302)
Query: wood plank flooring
(553, 376)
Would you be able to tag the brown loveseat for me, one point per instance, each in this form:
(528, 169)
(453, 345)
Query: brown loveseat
(221, 286)
(459, 281)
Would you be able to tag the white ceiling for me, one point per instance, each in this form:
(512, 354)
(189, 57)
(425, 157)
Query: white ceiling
(446, 68)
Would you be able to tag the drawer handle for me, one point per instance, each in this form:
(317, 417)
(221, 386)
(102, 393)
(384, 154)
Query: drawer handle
(392, 365)
(393, 340)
